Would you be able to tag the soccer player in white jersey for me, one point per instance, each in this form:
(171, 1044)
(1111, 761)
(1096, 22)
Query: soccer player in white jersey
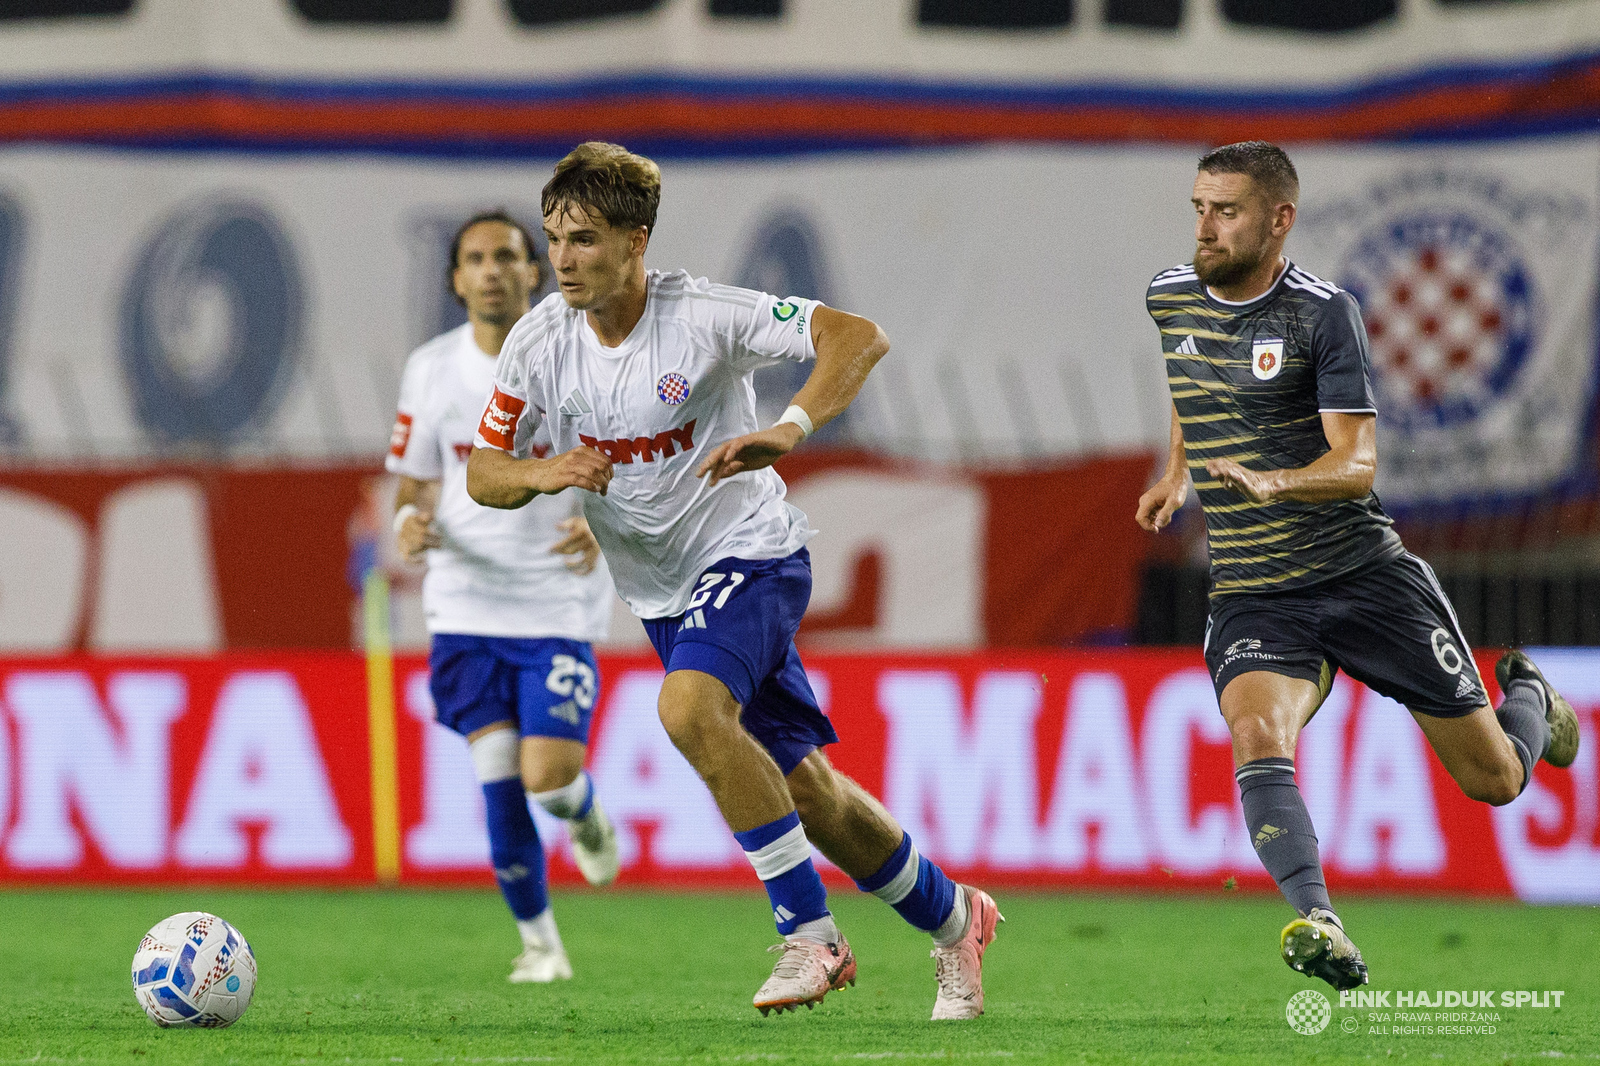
(643, 380)
(513, 598)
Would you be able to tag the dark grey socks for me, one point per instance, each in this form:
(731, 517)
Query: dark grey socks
(1281, 830)
(1522, 717)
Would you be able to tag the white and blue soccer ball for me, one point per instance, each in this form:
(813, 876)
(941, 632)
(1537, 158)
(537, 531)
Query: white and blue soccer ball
(194, 969)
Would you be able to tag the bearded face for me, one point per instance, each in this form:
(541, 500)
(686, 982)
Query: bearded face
(1233, 230)
(1226, 260)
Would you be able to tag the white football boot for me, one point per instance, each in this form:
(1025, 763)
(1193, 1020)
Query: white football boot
(540, 966)
(594, 845)
(806, 971)
(959, 967)
(543, 958)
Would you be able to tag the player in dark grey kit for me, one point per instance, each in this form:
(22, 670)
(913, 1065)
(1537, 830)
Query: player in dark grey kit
(1273, 413)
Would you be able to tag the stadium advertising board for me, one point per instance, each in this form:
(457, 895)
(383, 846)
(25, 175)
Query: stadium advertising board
(1069, 769)
(195, 559)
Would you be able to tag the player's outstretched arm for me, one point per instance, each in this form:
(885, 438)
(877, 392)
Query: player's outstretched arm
(848, 347)
(1344, 472)
(1160, 500)
(496, 479)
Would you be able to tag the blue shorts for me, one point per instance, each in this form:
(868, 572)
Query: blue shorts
(546, 685)
(740, 628)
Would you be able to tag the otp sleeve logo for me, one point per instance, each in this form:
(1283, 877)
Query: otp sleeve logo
(499, 426)
(673, 389)
(401, 436)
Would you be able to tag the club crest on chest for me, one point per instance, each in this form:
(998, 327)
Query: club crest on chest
(672, 389)
(1266, 357)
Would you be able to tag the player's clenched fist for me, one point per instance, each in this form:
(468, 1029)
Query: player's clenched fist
(581, 468)
(417, 535)
(1159, 502)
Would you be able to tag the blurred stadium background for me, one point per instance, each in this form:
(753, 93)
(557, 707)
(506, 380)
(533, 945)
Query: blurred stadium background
(223, 226)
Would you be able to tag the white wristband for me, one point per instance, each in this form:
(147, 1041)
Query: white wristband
(403, 512)
(797, 416)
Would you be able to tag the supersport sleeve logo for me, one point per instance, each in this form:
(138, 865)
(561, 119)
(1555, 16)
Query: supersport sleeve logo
(499, 425)
(400, 436)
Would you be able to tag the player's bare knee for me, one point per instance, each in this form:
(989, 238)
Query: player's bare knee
(684, 726)
(545, 776)
(1497, 786)
(816, 790)
(1258, 736)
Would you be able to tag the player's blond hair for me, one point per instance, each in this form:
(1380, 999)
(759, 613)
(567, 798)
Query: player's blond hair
(608, 181)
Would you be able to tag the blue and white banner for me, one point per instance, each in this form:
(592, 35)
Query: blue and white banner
(1476, 269)
(177, 304)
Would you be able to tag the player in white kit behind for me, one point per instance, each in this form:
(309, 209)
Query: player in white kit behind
(643, 381)
(512, 598)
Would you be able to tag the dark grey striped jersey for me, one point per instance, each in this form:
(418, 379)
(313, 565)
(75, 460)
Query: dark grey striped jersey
(1250, 381)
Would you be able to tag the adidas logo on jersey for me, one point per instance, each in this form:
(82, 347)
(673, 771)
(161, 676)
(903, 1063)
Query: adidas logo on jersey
(575, 405)
(1188, 347)
(697, 620)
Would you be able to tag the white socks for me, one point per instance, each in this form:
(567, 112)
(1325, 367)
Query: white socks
(819, 929)
(955, 926)
(565, 802)
(539, 932)
(495, 756)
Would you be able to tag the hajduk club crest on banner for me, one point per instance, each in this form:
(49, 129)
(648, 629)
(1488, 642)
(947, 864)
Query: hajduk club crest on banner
(1477, 285)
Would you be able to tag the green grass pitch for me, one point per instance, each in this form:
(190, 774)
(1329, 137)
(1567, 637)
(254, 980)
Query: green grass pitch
(419, 977)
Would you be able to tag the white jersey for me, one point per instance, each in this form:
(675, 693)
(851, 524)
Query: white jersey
(493, 573)
(654, 405)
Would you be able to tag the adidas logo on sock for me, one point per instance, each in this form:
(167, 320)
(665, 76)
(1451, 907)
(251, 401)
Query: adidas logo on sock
(782, 913)
(1267, 834)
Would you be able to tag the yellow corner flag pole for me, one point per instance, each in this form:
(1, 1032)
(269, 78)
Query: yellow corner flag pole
(381, 729)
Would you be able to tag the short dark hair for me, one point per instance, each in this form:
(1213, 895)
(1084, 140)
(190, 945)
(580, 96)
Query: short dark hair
(1262, 162)
(497, 214)
(608, 181)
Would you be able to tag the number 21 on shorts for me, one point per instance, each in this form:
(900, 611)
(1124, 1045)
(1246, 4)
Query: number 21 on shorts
(708, 585)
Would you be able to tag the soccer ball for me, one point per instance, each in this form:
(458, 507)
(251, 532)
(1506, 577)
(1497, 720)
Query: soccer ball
(194, 969)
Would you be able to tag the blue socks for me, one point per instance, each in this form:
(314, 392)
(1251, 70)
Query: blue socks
(514, 848)
(914, 887)
(781, 855)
